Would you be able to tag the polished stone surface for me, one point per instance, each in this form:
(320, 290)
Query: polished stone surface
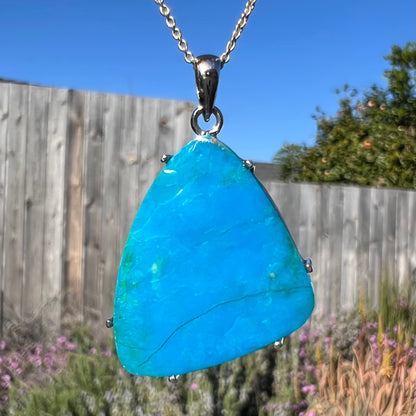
(209, 271)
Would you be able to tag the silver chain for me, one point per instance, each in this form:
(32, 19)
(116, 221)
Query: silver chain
(183, 44)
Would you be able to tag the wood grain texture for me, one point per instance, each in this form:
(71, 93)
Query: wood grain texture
(55, 209)
(15, 201)
(73, 276)
(35, 192)
(4, 125)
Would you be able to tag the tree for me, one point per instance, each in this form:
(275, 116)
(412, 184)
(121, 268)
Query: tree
(372, 138)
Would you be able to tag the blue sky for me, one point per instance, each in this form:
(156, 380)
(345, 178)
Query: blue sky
(290, 58)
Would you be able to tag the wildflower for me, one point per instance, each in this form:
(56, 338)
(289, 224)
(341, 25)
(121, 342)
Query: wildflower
(326, 172)
(93, 350)
(71, 346)
(2, 345)
(370, 103)
(61, 341)
(194, 386)
(382, 107)
(324, 160)
(311, 388)
(106, 353)
(360, 108)
(309, 368)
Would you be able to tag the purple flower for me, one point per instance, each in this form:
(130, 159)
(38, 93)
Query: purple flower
(304, 336)
(93, 350)
(302, 353)
(2, 345)
(373, 340)
(71, 346)
(311, 388)
(194, 386)
(106, 353)
(61, 340)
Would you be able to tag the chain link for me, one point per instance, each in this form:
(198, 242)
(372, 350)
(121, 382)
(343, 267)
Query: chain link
(183, 44)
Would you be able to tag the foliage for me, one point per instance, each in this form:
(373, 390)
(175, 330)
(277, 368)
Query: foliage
(357, 363)
(372, 138)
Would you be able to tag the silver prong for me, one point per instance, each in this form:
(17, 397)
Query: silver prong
(308, 265)
(109, 323)
(249, 165)
(174, 379)
(279, 343)
(165, 158)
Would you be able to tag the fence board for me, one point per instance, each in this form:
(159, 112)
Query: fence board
(4, 116)
(15, 197)
(54, 209)
(335, 219)
(111, 246)
(402, 237)
(349, 248)
(35, 188)
(375, 248)
(129, 169)
(389, 237)
(93, 203)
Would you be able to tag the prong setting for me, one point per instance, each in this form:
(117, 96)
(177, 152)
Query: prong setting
(165, 158)
(279, 343)
(174, 379)
(308, 265)
(248, 164)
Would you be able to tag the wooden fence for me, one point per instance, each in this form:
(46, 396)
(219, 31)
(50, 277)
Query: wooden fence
(74, 167)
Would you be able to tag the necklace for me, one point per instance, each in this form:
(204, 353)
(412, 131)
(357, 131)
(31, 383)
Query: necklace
(209, 271)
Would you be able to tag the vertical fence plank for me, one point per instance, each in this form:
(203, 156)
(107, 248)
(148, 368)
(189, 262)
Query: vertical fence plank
(93, 202)
(389, 235)
(35, 201)
(333, 261)
(74, 214)
(375, 248)
(324, 244)
(349, 248)
(412, 245)
(149, 162)
(402, 269)
(308, 234)
(181, 125)
(54, 209)
(129, 169)
(363, 243)
(4, 124)
(15, 196)
(111, 247)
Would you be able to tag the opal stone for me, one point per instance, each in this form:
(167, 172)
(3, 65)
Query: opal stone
(209, 271)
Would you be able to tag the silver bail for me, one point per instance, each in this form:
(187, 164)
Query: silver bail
(207, 75)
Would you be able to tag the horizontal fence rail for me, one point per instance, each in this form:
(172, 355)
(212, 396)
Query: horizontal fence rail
(75, 166)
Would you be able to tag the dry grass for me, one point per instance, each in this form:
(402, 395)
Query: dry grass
(367, 385)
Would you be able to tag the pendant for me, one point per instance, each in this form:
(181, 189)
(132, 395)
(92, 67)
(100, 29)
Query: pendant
(209, 271)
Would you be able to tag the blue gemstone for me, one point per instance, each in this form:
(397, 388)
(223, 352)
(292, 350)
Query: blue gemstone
(209, 271)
